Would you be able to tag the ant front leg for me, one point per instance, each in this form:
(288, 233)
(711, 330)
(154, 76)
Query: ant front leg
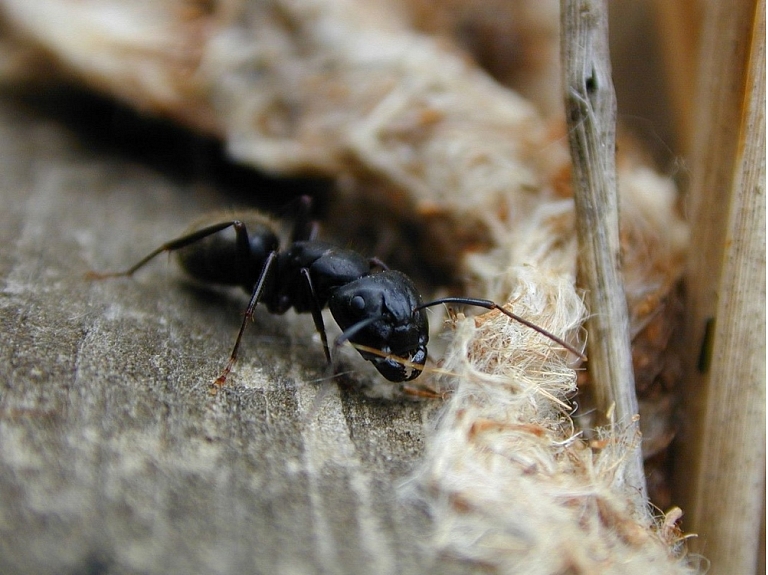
(421, 391)
(317, 314)
(177, 244)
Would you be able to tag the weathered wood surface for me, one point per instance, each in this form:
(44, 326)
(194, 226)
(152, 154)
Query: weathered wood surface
(114, 455)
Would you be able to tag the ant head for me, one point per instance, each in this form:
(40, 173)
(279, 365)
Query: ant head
(378, 313)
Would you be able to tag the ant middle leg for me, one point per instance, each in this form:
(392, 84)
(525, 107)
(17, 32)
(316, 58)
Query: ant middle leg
(256, 295)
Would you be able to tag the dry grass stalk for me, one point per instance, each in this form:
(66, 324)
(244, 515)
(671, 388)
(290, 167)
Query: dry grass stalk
(591, 114)
(680, 24)
(725, 443)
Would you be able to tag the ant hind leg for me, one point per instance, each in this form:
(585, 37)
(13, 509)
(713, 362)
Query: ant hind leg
(177, 244)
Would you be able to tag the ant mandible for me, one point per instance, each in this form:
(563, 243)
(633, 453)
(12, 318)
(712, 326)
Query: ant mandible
(379, 310)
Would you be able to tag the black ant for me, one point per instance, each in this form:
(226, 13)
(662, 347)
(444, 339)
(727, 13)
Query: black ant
(379, 310)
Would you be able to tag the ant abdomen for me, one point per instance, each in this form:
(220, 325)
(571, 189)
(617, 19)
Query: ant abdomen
(219, 259)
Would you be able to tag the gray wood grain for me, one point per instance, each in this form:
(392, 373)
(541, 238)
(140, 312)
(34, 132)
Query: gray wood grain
(114, 455)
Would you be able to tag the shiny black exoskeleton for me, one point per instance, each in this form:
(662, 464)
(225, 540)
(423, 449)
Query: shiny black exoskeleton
(378, 310)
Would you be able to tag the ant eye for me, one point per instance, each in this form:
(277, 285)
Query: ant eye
(358, 303)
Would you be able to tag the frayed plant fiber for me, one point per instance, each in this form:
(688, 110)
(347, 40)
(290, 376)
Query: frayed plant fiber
(509, 479)
(509, 482)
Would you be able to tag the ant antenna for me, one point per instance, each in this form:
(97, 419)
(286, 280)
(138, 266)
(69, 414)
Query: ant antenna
(491, 305)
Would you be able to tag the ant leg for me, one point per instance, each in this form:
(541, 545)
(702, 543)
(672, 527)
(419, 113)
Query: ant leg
(317, 315)
(178, 243)
(421, 391)
(488, 304)
(255, 298)
(375, 262)
(304, 229)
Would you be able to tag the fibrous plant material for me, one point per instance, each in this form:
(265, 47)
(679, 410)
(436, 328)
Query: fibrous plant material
(349, 90)
(333, 88)
(509, 479)
(512, 481)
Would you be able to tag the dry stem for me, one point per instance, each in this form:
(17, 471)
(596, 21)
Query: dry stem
(723, 444)
(590, 104)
